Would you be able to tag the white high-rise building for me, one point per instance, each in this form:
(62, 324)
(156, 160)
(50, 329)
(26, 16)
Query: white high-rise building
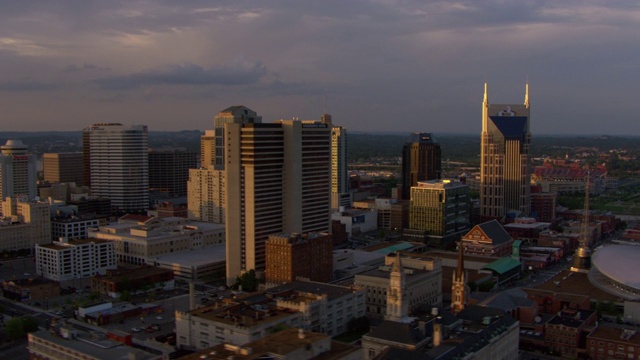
(118, 164)
(18, 172)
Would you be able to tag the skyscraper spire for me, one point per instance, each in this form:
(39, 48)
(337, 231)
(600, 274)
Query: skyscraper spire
(526, 95)
(486, 95)
(485, 108)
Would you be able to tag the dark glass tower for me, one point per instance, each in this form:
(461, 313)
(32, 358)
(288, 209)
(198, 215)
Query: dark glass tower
(421, 161)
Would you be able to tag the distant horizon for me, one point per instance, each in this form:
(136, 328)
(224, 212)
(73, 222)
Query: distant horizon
(359, 132)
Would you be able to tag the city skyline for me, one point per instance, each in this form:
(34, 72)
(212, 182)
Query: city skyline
(172, 66)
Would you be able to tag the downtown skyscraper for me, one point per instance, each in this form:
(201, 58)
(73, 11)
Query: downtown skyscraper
(340, 194)
(421, 161)
(505, 171)
(277, 180)
(116, 161)
(18, 172)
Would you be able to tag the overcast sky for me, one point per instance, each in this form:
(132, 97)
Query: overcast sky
(383, 66)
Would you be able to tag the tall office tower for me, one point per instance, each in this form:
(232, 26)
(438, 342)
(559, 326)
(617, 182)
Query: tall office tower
(505, 171)
(206, 196)
(119, 164)
(63, 167)
(340, 194)
(277, 181)
(169, 170)
(18, 173)
(237, 114)
(207, 148)
(421, 161)
(439, 209)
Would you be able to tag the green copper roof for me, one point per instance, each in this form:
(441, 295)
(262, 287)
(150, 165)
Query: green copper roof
(503, 265)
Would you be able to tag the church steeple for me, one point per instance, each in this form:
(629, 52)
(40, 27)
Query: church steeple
(397, 301)
(458, 296)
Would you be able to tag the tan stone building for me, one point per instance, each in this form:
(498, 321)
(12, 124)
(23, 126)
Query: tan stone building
(139, 239)
(24, 224)
(423, 282)
(206, 195)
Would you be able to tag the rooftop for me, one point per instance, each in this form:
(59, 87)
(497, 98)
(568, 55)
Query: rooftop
(199, 257)
(614, 261)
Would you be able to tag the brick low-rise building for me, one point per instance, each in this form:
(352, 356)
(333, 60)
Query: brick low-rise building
(292, 256)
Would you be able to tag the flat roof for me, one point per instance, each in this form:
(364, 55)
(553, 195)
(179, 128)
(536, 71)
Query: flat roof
(281, 343)
(332, 291)
(386, 248)
(196, 257)
(100, 348)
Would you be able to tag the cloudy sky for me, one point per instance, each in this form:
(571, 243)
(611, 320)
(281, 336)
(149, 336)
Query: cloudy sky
(383, 66)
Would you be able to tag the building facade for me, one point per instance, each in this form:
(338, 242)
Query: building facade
(488, 239)
(277, 180)
(169, 170)
(117, 160)
(62, 168)
(18, 172)
(24, 224)
(441, 209)
(421, 161)
(72, 227)
(340, 194)
(207, 148)
(505, 169)
(140, 239)
(206, 195)
(290, 256)
(75, 259)
(422, 284)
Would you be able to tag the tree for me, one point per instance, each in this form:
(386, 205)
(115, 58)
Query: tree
(360, 324)
(125, 296)
(247, 281)
(94, 296)
(17, 327)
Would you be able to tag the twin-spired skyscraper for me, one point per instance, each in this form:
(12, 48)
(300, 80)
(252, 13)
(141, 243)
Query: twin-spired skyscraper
(505, 171)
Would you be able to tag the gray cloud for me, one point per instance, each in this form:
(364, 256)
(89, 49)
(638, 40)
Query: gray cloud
(239, 73)
(406, 65)
(73, 68)
(26, 86)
